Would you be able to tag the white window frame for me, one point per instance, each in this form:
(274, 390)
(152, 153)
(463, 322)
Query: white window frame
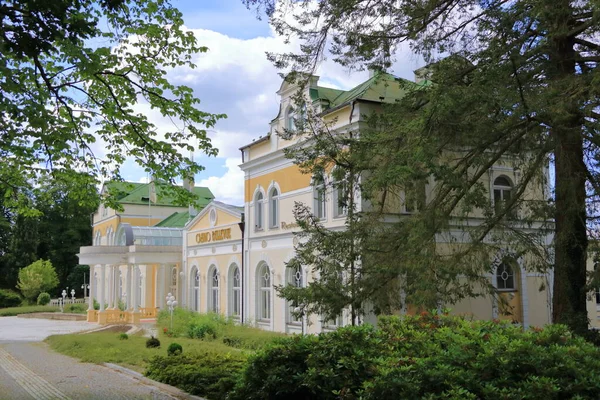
(274, 208)
(195, 289)
(319, 198)
(259, 211)
(502, 190)
(509, 274)
(235, 290)
(290, 116)
(213, 289)
(296, 279)
(264, 308)
(338, 186)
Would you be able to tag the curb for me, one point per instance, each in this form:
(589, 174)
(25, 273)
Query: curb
(172, 390)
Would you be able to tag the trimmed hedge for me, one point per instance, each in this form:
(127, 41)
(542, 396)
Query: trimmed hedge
(426, 357)
(8, 298)
(43, 299)
(212, 375)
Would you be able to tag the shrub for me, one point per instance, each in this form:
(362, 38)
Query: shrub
(43, 299)
(96, 305)
(76, 308)
(124, 336)
(152, 342)
(427, 356)
(39, 276)
(8, 298)
(202, 330)
(174, 349)
(210, 375)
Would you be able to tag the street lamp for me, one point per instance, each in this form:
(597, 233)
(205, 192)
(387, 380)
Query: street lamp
(171, 303)
(301, 310)
(85, 288)
(73, 295)
(62, 305)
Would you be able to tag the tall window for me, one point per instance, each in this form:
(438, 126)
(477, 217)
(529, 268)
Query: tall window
(295, 279)
(258, 208)
(502, 192)
(97, 238)
(340, 197)
(235, 292)
(109, 236)
(213, 286)
(410, 198)
(196, 289)
(274, 208)
(264, 293)
(505, 278)
(290, 119)
(319, 206)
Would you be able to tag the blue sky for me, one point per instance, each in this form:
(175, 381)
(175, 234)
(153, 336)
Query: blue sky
(235, 78)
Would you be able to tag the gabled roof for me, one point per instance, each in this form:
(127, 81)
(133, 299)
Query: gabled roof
(235, 211)
(139, 193)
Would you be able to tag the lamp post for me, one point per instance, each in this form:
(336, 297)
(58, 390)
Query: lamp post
(73, 296)
(171, 303)
(301, 311)
(62, 305)
(85, 288)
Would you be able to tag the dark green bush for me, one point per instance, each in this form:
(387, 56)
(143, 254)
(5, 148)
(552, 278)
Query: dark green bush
(8, 298)
(152, 342)
(210, 375)
(202, 330)
(427, 356)
(76, 308)
(43, 299)
(123, 336)
(174, 349)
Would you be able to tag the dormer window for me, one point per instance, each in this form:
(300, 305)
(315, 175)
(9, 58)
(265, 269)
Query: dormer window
(290, 119)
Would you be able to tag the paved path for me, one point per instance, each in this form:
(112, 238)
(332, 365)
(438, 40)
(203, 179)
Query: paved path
(30, 370)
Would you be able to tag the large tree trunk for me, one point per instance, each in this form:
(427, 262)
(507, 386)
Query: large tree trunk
(569, 301)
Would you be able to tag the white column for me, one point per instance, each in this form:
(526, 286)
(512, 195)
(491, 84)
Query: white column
(116, 286)
(91, 291)
(161, 285)
(128, 286)
(102, 285)
(136, 288)
(157, 286)
(110, 287)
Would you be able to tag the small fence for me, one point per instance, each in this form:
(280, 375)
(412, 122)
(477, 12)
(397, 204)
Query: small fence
(56, 302)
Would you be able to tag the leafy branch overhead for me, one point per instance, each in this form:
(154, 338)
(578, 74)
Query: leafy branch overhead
(81, 81)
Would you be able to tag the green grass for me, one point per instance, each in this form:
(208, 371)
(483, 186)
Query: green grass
(12, 311)
(101, 347)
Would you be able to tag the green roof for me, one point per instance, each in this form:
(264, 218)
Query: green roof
(175, 220)
(139, 193)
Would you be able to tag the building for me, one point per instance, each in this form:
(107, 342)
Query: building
(227, 259)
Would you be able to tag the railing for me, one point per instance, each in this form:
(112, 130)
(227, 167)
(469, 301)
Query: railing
(148, 312)
(56, 302)
(115, 316)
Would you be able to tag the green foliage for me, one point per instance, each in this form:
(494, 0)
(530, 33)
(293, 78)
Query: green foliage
(123, 336)
(126, 48)
(76, 308)
(427, 356)
(37, 277)
(208, 374)
(96, 305)
(152, 342)
(174, 349)
(121, 305)
(12, 311)
(8, 298)
(43, 299)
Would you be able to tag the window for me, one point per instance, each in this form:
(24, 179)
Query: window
(235, 292)
(213, 217)
(173, 287)
(97, 238)
(263, 304)
(274, 209)
(290, 119)
(319, 206)
(505, 278)
(295, 279)
(258, 209)
(195, 289)
(597, 290)
(213, 290)
(340, 197)
(410, 202)
(109, 236)
(502, 192)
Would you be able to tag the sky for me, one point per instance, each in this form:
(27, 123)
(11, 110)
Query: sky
(235, 78)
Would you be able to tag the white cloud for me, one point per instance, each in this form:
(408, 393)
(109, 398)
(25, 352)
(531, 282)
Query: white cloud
(228, 188)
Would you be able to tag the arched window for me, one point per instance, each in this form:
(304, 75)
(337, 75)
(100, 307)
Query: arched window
(502, 192)
(195, 289)
(274, 208)
(341, 194)
(290, 119)
(213, 290)
(319, 199)
(97, 238)
(258, 211)
(295, 279)
(109, 236)
(235, 291)
(263, 298)
(505, 278)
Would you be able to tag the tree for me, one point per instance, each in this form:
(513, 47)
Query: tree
(520, 83)
(36, 278)
(73, 76)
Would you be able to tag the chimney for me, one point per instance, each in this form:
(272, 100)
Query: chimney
(188, 184)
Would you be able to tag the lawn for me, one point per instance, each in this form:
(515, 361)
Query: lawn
(69, 308)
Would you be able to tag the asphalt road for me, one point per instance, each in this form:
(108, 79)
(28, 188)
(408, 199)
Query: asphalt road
(30, 370)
